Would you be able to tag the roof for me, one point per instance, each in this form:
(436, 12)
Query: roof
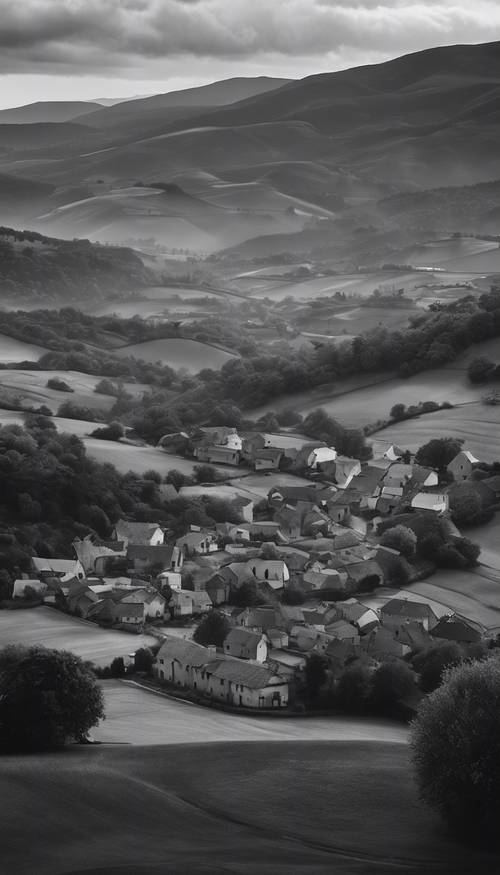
(243, 639)
(428, 500)
(295, 493)
(359, 570)
(406, 608)
(341, 629)
(138, 533)
(201, 599)
(124, 609)
(240, 672)
(458, 629)
(161, 554)
(274, 454)
(193, 538)
(187, 652)
(59, 566)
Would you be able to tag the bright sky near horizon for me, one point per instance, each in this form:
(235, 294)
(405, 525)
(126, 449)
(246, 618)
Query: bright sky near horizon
(85, 49)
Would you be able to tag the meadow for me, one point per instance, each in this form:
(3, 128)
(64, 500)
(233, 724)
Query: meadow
(51, 628)
(12, 350)
(31, 387)
(205, 809)
(477, 424)
(178, 353)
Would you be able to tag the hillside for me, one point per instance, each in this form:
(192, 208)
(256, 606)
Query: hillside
(51, 270)
(47, 111)
(199, 809)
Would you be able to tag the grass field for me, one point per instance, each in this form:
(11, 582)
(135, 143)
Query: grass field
(12, 350)
(473, 594)
(476, 423)
(137, 716)
(31, 386)
(296, 808)
(53, 629)
(178, 353)
(140, 459)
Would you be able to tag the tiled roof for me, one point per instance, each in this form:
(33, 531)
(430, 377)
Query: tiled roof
(139, 533)
(239, 672)
(187, 652)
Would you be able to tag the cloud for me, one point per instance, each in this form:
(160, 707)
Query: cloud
(83, 37)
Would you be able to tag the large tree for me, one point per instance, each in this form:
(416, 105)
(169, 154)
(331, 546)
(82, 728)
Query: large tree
(438, 452)
(213, 629)
(47, 697)
(456, 749)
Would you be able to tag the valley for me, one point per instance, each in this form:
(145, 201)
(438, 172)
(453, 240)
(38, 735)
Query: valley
(249, 459)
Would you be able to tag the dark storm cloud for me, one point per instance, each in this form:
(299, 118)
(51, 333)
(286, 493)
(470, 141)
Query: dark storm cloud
(84, 36)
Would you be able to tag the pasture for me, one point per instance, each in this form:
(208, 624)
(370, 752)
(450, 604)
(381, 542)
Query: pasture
(51, 628)
(128, 457)
(178, 352)
(477, 424)
(12, 350)
(474, 594)
(303, 808)
(260, 484)
(31, 387)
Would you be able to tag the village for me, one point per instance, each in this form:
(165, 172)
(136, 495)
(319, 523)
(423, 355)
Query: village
(296, 577)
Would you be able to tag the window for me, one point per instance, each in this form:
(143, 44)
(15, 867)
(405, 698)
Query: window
(222, 682)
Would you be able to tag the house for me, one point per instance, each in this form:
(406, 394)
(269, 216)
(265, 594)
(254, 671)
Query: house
(381, 643)
(175, 442)
(218, 589)
(341, 470)
(221, 435)
(268, 459)
(493, 484)
(367, 574)
(198, 542)
(145, 558)
(459, 629)
(324, 579)
(40, 587)
(62, 568)
(274, 571)
(80, 600)
(288, 665)
(146, 534)
(177, 659)
(89, 549)
(343, 630)
(260, 619)
(172, 578)
(292, 495)
(401, 610)
(128, 616)
(181, 603)
(359, 615)
(264, 530)
(217, 455)
(307, 638)
(245, 644)
(236, 573)
(153, 601)
(232, 532)
(243, 684)
(431, 501)
(290, 617)
(201, 602)
(277, 638)
(462, 465)
(289, 521)
(320, 455)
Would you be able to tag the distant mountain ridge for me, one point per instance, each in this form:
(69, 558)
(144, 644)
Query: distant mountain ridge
(47, 111)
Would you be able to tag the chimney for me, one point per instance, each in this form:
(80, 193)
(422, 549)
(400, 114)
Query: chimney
(212, 651)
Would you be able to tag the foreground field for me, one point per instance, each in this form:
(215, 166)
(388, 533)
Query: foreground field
(309, 809)
(477, 424)
(136, 716)
(51, 628)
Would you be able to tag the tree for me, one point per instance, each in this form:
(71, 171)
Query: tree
(143, 659)
(47, 697)
(398, 412)
(353, 688)
(293, 595)
(466, 506)
(391, 682)
(431, 663)
(213, 629)
(205, 474)
(315, 674)
(481, 370)
(112, 432)
(456, 749)
(400, 538)
(438, 453)
(117, 667)
(247, 595)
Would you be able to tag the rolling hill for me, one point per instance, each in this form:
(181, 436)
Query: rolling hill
(201, 809)
(47, 111)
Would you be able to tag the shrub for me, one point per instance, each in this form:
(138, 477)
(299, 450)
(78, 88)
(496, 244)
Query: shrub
(391, 682)
(456, 749)
(353, 688)
(431, 663)
(112, 432)
(59, 385)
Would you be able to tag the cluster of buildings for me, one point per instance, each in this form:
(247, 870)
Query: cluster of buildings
(296, 580)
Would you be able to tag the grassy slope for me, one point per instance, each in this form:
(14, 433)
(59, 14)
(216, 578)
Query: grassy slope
(242, 809)
(51, 628)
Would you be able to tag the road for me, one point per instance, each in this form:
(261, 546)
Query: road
(139, 717)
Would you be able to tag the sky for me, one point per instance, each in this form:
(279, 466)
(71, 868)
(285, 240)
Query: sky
(85, 49)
